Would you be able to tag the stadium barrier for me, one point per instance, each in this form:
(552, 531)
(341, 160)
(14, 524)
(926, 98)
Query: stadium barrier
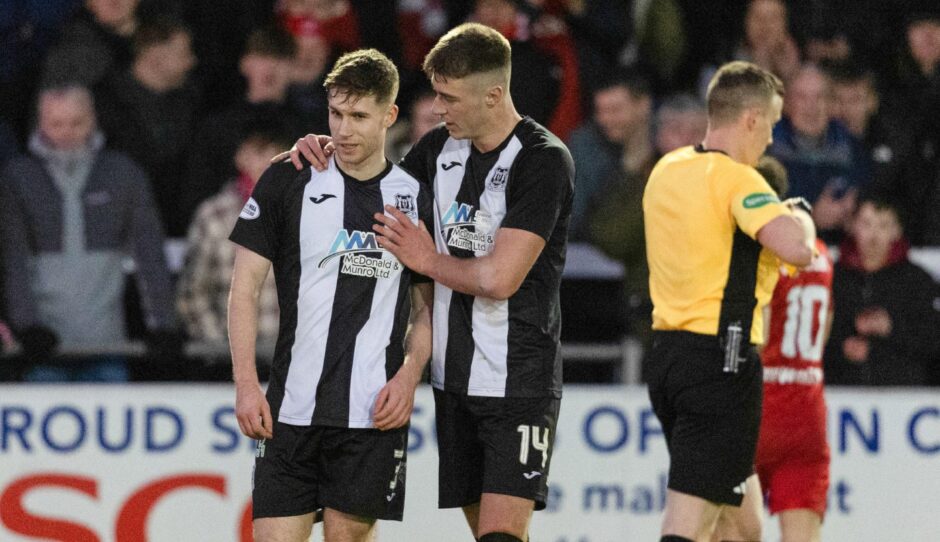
(131, 463)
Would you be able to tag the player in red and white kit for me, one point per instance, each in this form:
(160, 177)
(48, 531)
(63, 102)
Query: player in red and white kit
(792, 459)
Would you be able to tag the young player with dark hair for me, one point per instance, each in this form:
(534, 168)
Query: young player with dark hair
(333, 426)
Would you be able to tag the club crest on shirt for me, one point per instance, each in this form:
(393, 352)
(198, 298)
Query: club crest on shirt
(406, 204)
(497, 183)
(251, 210)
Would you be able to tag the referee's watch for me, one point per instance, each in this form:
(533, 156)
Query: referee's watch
(799, 203)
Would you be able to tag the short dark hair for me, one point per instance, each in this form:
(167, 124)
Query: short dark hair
(881, 202)
(271, 41)
(636, 82)
(849, 72)
(366, 72)
(58, 89)
(265, 137)
(468, 49)
(774, 173)
(737, 86)
(158, 30)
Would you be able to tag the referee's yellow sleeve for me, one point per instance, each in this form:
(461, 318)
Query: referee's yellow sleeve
(754, 203)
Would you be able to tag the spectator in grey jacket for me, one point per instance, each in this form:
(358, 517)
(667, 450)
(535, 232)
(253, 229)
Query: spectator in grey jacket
(72, 211)
(95, 43)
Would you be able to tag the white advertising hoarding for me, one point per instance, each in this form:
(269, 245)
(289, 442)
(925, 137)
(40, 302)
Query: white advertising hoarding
(166, 463)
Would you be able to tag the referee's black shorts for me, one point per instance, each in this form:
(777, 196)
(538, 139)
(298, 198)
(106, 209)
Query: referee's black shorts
(710, 418)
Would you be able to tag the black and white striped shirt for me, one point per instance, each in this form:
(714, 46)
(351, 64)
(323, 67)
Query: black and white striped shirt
(487, 347)
(343, 301)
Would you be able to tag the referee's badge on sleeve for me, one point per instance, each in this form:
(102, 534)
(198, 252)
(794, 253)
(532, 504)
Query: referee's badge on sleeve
(251, 210)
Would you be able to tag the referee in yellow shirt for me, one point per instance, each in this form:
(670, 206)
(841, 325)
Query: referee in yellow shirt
(707, 215)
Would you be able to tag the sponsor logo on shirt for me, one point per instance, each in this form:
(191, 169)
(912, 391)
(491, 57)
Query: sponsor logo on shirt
(465, 233)
(759, 199)
(353, 246)
(251, 210)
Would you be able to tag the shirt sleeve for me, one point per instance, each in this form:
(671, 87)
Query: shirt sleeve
(753, 202)
(257, 225)
(540, 191)
(425, 213)
(419, 161)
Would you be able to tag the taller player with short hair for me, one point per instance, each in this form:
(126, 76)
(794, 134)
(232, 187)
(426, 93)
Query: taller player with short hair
(503, 186)
(348, 356)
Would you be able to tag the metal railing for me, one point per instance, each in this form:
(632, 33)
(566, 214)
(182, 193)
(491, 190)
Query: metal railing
(624, 355)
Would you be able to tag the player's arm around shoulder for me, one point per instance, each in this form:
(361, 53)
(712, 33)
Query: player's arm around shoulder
(395, 401)
(760, 214)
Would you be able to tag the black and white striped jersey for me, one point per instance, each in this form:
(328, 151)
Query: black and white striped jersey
(486, 347)
(343, 300)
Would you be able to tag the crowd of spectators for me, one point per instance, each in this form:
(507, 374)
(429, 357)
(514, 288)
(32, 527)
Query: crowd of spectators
(124, 122)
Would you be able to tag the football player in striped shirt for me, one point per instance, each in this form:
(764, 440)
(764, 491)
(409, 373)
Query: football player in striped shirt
(355, 324)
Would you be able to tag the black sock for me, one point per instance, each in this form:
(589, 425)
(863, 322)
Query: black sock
(499, 537)
(675, 538)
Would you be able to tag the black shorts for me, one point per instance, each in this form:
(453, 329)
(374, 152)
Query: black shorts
(493, 445)
(355, 471)
(710, 418)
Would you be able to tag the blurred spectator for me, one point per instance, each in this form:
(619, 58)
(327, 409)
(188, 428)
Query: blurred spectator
(767, 39)
(915, 98)
(95, 44)
(407, 131)
(149, 112)
(334, 20)
(305, 93)
(827, 45)
(660, 41)
(8, 144)
(767, 42)
(617, 140)
(826, 163)
(202, 296)
(420, 24)
(218, 41)
(680, 121)
(266, 67)
(614, 216)
(614, 224)
(545, 84)
(601, 31)
(901, 169)
(71, 211)
(27, 30)
(886, 308)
